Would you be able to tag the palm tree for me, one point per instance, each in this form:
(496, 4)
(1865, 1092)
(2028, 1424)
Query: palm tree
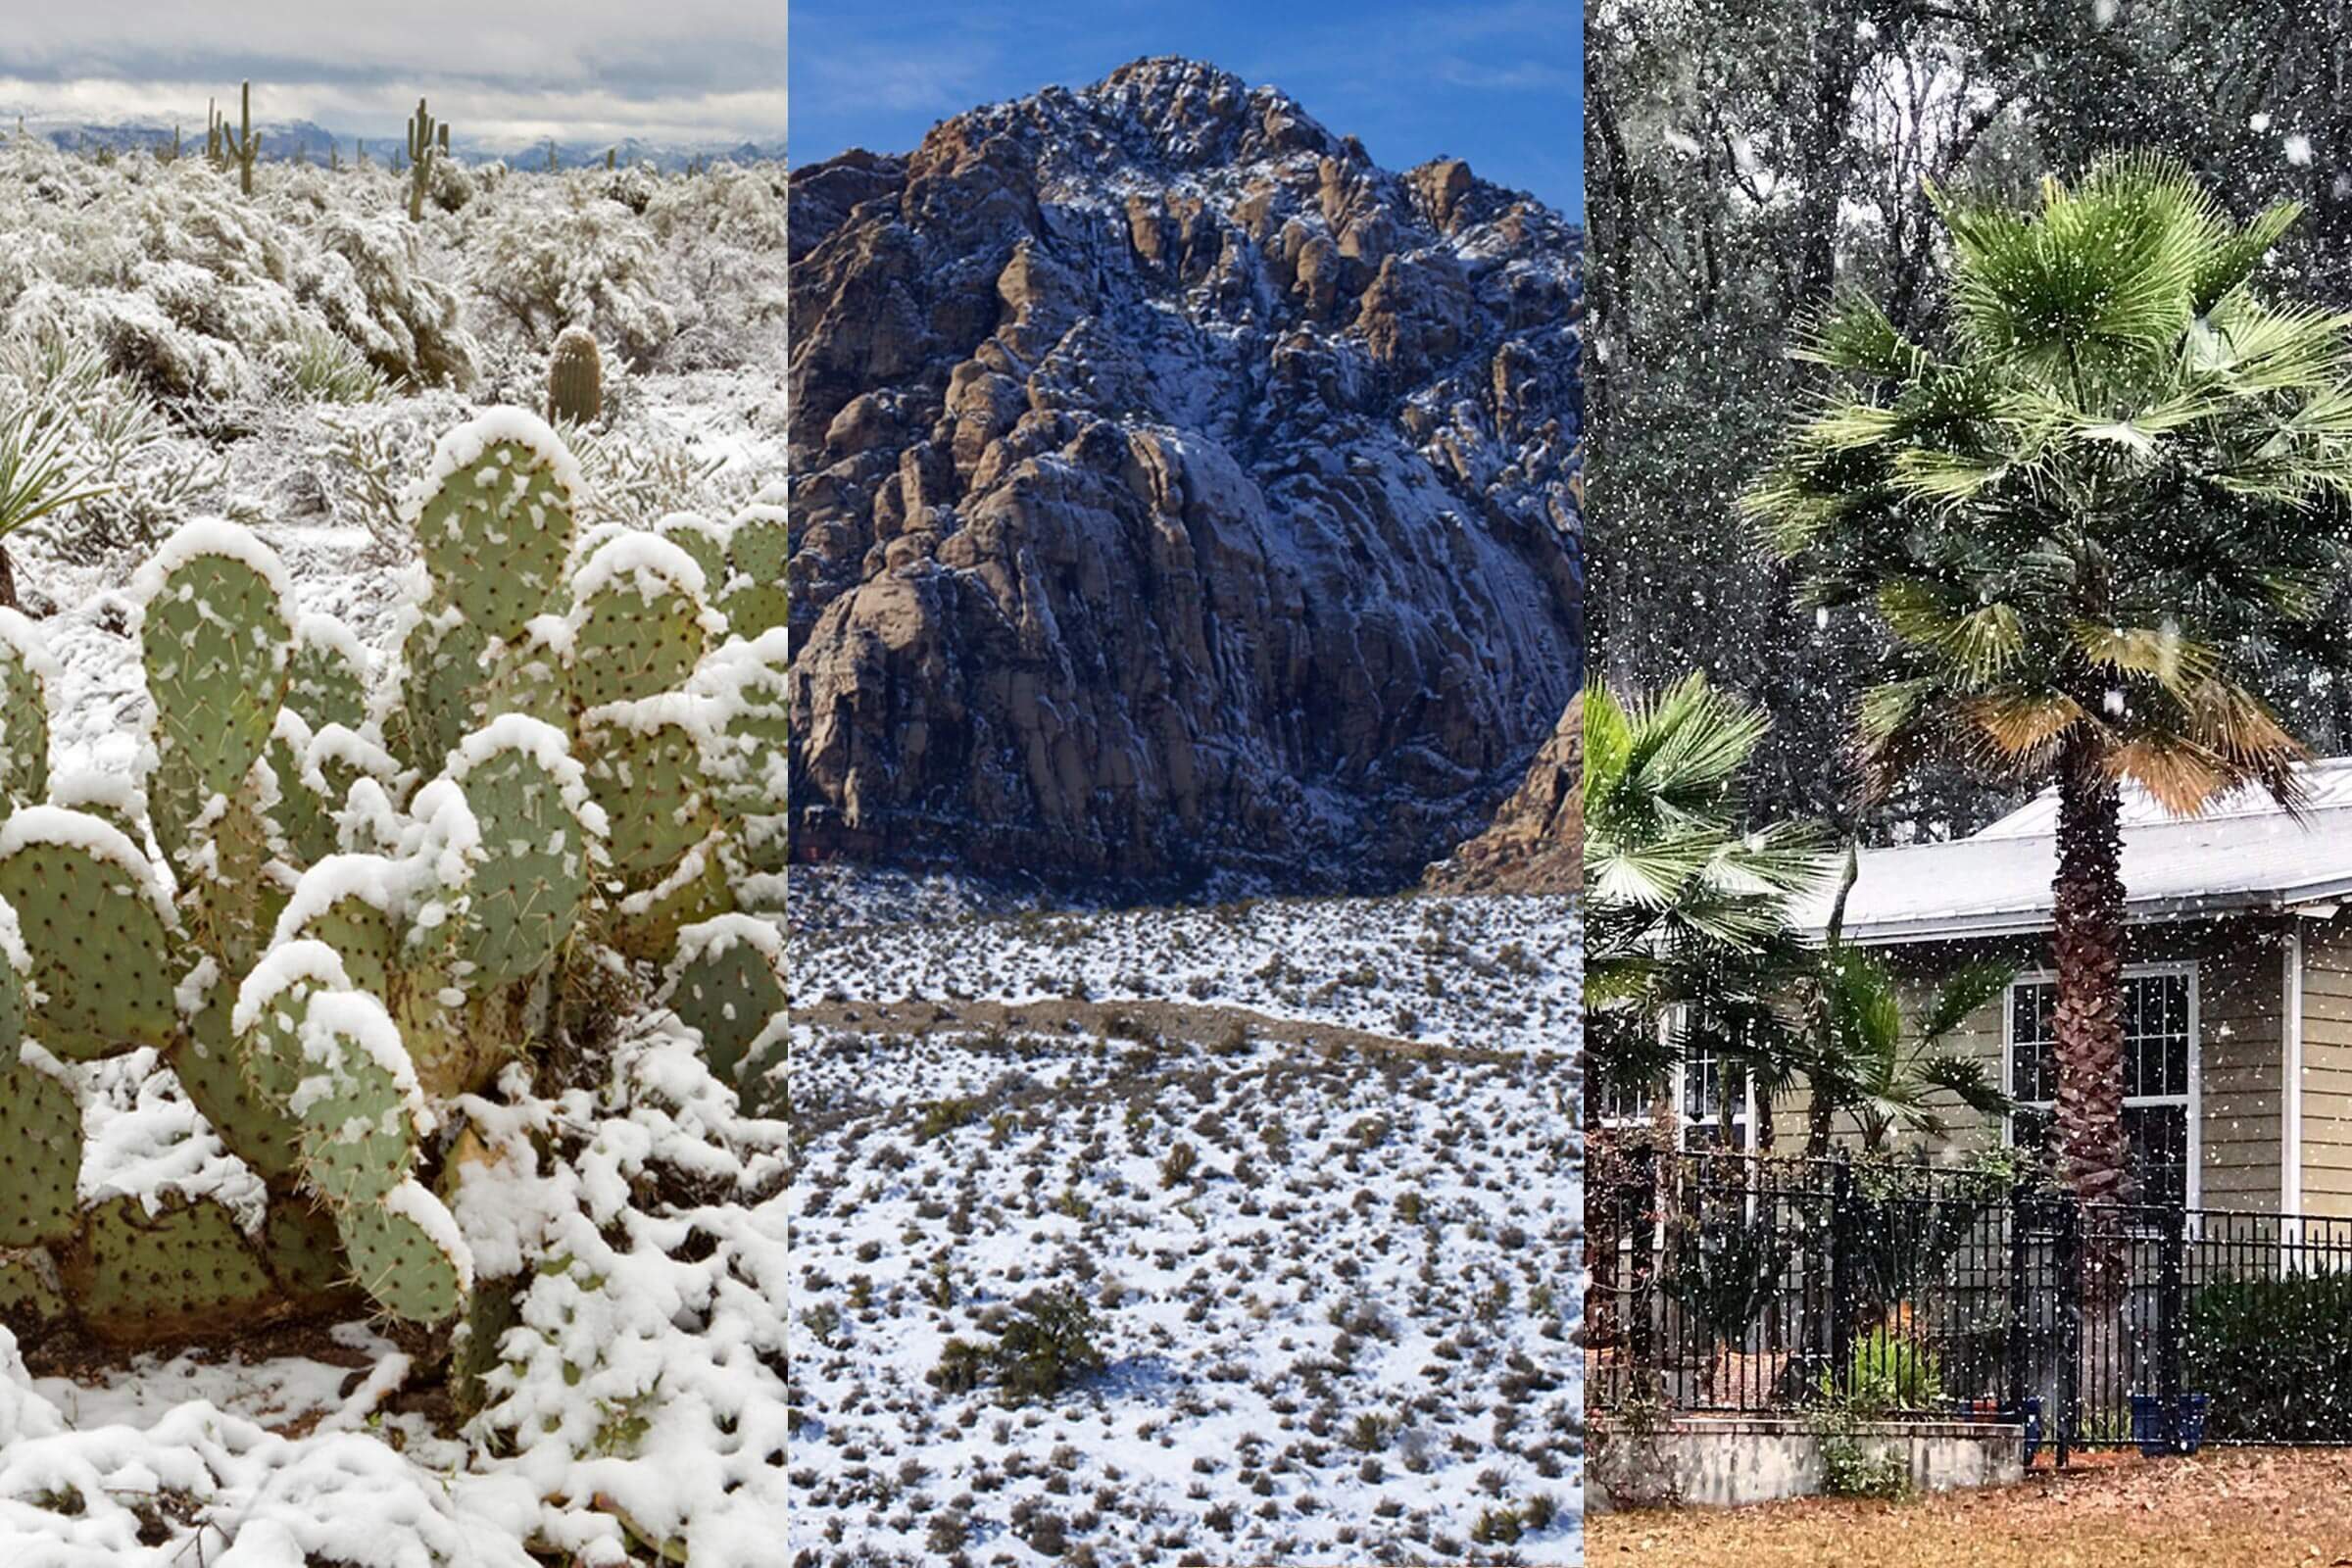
(1685, 924)
(1687, 915)
(1886, 1075)
(2091, 515)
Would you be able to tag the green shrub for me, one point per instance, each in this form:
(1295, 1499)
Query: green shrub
(2276, 1356)
(1048, 1346)
(1892, 1373)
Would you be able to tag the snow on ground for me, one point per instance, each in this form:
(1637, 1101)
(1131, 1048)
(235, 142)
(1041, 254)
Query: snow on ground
(1332, 1270)
(1496, 973)
(206, 354)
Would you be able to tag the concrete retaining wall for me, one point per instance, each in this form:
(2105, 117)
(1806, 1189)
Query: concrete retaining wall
(1759, 1459)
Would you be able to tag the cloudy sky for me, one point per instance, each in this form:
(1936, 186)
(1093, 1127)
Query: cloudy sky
(1500, 84)
(671, 71)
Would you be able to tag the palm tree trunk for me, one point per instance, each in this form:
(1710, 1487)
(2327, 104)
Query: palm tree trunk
(2089, 1028)
(2090, 941)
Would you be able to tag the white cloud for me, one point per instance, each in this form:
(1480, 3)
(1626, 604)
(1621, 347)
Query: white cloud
(679, 70)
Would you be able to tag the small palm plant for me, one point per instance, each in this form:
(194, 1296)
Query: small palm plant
(2089, 514)
(1860, 1059)
(1687, 914)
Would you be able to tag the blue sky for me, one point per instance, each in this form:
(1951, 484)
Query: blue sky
(1501, 85)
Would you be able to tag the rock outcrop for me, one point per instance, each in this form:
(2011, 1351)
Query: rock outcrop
(1174, 491)
(1536, 843)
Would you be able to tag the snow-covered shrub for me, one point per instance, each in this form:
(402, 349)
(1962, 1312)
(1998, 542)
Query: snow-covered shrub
(556, 254)
(196, 293)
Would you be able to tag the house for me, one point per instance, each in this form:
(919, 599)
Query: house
(2238, 999)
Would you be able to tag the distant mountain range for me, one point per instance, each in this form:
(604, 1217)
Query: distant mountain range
(312, 142)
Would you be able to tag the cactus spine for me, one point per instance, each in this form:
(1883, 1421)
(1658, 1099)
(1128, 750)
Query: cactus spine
(576, 378)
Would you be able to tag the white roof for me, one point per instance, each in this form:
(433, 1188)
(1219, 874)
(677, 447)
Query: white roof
(2244, 853)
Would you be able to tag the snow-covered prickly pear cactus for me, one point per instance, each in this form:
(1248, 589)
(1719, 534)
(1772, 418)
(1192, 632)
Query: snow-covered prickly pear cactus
(25, 671)
(541, 836)
(640, 623)
(753, 600)
(372, 889)
(40, 1120)
(216, 635)
(728, 985)
(98, 934)
(494, 519)
(328, 681)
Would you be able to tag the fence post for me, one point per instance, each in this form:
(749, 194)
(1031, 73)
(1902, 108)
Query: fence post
(2018, 1349)
(1641, 1326)
(2069, 1271)
(2171, 1322)
(1841, 1275)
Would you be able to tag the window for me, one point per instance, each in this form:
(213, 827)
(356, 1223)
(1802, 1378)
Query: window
(2160, 1047)
(1696, 1086)
(1709, 1085)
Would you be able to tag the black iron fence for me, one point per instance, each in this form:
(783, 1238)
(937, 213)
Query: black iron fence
(1743, 1284)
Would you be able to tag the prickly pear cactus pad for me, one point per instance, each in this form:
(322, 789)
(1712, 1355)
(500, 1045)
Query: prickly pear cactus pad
(532, 675)
(41, 1152)
(356, 1100)
(442, 660)
(330, 674)
(494, 517)
(728, 985)
(216, 627)
(241, 1099)
(640, 623)
(753, 598)
(703, 539)
(143, 1271)
(644, 769)
(27, 671)
(407, 1254)
(94, 921)
(541, 838)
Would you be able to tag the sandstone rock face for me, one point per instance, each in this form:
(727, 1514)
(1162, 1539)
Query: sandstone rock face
(1537, 843)
(1174, 492)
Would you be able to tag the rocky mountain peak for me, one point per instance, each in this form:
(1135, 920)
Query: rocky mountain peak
(1174, 488)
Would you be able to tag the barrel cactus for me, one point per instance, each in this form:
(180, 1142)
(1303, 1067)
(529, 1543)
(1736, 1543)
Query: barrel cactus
(337, 900)
(576, 378)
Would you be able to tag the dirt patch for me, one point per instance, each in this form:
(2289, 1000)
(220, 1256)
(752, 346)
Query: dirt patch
(2224, 1508)
(1204, 1023)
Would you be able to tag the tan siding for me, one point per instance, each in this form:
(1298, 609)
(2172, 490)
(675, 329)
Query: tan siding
(2239, 1016)
(2328, 1067)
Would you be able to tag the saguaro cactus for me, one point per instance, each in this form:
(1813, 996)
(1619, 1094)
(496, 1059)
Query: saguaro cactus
(241, 146)
(422, 148)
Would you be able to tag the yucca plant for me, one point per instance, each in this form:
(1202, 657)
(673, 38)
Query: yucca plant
(2091, 513)
(38, 476)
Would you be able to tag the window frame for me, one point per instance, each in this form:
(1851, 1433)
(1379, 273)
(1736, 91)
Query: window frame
(2192, 1103)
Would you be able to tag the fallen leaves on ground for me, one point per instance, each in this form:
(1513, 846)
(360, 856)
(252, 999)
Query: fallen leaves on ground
(2224, 1508)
